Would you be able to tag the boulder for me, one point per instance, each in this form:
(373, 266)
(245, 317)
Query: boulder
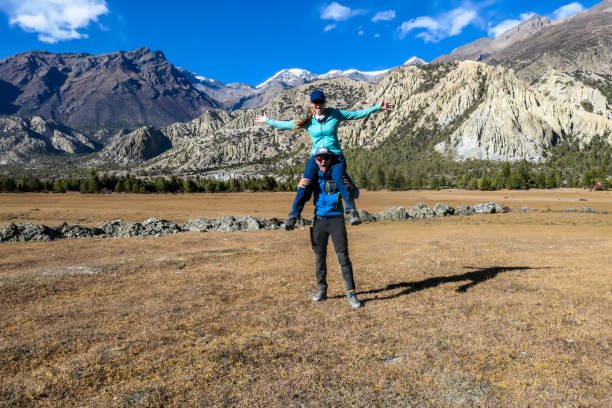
(154, 226)
(366, 216)
(420, 211)
(78, 231)
(464, 210)
(488, 208)
(8, 233)
(111, 228)
(443, 210)
(27, 232)
(393, 214)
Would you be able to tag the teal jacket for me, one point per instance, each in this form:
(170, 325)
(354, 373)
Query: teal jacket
(325, 134)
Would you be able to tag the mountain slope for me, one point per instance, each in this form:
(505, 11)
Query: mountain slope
(483, 48)
(582, 42)
(121, 89)
(465, 110)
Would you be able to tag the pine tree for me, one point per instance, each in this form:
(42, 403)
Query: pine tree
(58, 186)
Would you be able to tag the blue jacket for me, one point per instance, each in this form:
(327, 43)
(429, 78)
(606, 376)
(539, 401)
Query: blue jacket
(325, 134)
(327, 198)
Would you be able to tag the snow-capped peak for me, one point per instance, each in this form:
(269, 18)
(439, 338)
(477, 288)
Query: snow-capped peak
(370, 76)
(289, 77)
(415, 61)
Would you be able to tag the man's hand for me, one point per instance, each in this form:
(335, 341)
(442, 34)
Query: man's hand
(261, 118)
(304, 182)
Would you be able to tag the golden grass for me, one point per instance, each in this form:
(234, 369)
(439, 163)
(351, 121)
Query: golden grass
(496, 310)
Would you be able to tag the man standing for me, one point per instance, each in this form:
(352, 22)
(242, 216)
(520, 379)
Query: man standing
(329, 220)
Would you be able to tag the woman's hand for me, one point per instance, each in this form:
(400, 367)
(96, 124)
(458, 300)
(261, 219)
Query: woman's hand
(304, 182)
(261, 118)
(386, 106)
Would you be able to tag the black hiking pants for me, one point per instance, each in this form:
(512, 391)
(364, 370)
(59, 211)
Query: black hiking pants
(319, 236)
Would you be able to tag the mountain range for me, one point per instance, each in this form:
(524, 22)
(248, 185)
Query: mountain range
(506, 98)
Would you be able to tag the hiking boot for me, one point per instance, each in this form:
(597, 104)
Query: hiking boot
(290, 223)
(352, 298)
(354, 218)
(320, 295)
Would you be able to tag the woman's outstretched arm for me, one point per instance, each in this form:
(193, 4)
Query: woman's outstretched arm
(279, 124)
(350, 115)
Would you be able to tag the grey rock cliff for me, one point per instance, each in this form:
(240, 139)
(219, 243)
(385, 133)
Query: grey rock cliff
(21, 139)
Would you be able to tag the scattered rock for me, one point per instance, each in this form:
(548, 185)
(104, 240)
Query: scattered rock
(199, 225)
(366, 216)
(488, 208)
(156, 227)
(8, 233)
(27, 232)
(443, 210)
(110, 228)
(393, 214)
(78, 231)
(420, 211)
(464, 210)
(392, 360)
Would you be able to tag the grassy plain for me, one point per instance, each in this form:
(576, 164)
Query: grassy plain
(507, 310)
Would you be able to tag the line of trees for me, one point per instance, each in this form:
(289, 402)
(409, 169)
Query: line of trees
(516, 176)
(131, 184)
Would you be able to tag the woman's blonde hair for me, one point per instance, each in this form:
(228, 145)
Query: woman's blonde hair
(303, 121)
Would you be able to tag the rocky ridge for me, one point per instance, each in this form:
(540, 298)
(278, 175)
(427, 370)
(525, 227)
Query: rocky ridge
(24, 138)
(157, 227)
(483, 48)
(471, 110)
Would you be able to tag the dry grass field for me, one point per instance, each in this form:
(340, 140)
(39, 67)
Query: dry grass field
(501, 310)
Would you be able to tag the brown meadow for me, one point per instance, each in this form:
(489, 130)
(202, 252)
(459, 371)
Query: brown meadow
(493, 310)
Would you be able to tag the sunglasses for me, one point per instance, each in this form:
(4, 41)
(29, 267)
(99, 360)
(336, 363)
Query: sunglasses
(322, 158)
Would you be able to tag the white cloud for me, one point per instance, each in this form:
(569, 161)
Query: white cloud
(445, 25)
(506, 25)
(384, 16)
(337, 12)
(360, 33)
(567, 11)
(329, 27)
(54, 20)
(377, 35)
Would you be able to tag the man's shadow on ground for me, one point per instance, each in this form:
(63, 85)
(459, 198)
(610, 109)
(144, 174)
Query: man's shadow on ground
(475, 277)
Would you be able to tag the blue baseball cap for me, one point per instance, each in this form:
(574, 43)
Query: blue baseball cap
(317, 95)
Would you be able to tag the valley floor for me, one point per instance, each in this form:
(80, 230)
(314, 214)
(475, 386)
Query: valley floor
(491, 310)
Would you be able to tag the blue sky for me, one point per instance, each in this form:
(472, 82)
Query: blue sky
(247, 41)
